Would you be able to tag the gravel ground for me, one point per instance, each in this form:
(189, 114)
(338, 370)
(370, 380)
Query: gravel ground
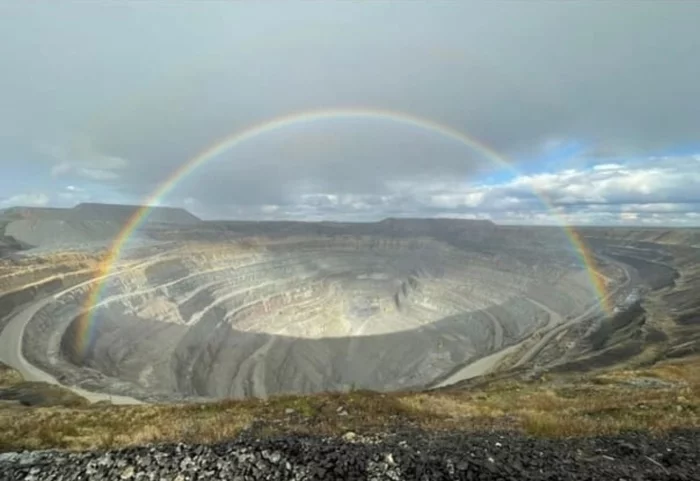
(399, 456)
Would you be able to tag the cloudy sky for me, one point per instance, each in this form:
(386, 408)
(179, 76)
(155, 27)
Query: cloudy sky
(594, 105)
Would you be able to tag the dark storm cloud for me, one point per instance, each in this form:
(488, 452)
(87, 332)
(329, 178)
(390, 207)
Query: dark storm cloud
(152, 85)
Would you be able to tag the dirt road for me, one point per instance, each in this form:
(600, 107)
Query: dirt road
(11, 352)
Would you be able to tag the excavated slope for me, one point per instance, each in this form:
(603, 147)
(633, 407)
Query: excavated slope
(302, 314)
(237, 309)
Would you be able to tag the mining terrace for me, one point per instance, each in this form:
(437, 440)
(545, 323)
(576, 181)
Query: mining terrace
(198, 310)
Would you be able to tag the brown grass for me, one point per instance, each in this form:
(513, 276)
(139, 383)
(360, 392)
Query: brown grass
(8, 376)
(595, 404)
(111, 426)
(602, 404)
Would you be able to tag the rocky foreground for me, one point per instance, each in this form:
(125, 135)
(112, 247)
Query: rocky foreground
(403, 456)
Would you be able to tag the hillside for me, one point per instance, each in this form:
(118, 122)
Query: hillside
(86, 225)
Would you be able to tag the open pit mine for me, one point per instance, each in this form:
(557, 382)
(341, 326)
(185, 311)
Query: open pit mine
(194, 310)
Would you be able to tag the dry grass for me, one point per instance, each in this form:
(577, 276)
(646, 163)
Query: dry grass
(602, 404)
(102, 426)
(8, 376)
(110, 426)
(596, 404)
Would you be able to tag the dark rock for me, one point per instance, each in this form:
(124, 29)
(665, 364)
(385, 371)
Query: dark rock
(405, 455)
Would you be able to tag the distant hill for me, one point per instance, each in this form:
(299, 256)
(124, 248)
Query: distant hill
(20, 212)
(418, 226)
(83, 224)
(100, 212)
(8, 244)
(168, 215)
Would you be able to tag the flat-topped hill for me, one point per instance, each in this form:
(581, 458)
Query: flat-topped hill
(83, 225)
(104, 212)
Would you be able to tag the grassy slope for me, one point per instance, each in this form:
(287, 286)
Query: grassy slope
(662, 397)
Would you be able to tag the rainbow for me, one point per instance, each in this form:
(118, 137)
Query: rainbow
(596, 278)
(86, 322)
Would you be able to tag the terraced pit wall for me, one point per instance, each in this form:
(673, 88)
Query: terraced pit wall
(253, 309)
(307, 315)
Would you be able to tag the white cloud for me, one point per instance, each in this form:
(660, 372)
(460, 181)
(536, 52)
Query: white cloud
(61, 168)
(655, 180)
(608, 167)
(454, 200)
(96, 174)
(72, 195)
(653, 191)
(29, 200)
(84, 159)
(269, 209)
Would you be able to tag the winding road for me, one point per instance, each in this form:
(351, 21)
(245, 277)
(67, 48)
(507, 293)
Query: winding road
(488, 363)
(11, 348)
(537, 348)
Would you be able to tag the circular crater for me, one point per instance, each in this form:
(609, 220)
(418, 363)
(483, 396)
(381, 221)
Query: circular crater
(341, 290)
(304, 315)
